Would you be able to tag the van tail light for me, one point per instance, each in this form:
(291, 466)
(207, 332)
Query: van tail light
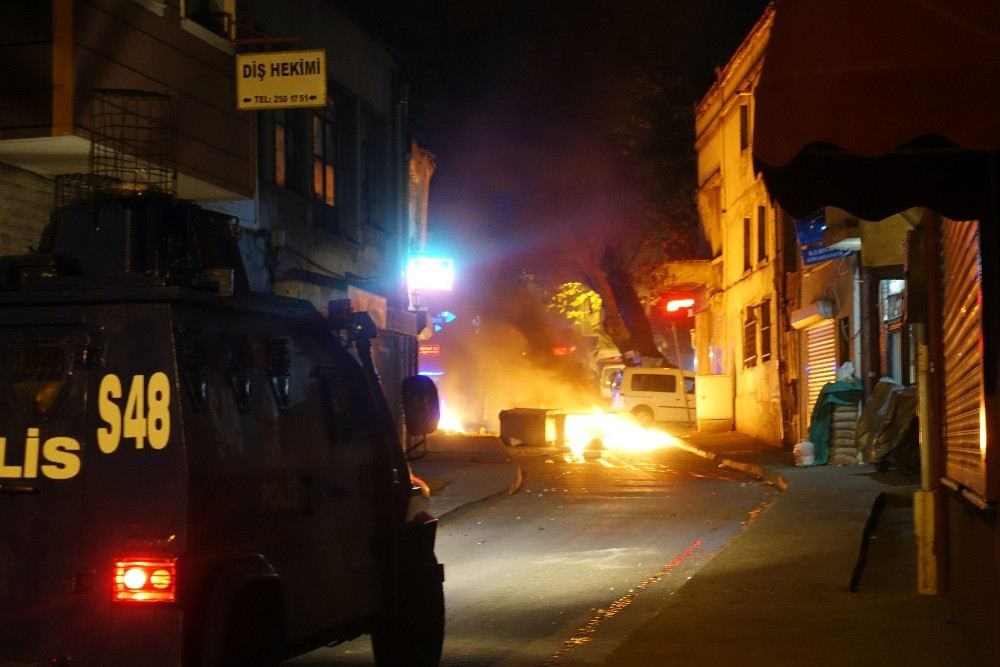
(145, 580)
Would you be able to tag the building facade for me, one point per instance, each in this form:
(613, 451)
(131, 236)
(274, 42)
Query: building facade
(903, 119)
(329, 199)
(789, 301)
(738, 330)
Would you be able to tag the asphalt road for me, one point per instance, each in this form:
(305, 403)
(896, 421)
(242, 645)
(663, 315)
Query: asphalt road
(561, 572)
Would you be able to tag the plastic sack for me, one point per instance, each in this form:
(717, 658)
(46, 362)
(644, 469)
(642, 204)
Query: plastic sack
(846, 372)
(804, 453)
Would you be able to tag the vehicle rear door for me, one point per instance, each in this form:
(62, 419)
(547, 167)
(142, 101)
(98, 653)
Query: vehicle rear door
(90, 473)
(43, 405)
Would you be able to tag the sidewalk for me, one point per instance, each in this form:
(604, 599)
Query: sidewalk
(779, 593)
(465, 469)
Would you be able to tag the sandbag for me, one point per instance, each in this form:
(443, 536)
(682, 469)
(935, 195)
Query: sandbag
(833, 395)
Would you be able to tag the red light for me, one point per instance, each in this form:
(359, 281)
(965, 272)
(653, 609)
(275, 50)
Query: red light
(674, 305)
(145, 580)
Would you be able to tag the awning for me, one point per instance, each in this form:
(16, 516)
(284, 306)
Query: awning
(875, 107)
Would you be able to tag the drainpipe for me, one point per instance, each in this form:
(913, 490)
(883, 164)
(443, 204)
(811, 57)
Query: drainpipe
(924, 500)
(928, 514)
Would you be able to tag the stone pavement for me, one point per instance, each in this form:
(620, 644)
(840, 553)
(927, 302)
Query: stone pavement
(780, 593)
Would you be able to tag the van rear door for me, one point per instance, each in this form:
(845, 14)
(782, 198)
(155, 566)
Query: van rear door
(663, 391)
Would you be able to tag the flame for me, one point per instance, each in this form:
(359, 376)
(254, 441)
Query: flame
(450, 422)
(607, 430)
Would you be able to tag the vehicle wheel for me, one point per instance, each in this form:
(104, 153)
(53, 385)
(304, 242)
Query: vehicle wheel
(253, 633)
(413, 634)
(643, 415)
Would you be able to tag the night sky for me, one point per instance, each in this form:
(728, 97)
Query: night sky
(555, 124)
(561, 129)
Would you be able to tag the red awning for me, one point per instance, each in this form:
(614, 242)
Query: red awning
(876, 106)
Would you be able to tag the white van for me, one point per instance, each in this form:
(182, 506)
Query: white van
(656, 394)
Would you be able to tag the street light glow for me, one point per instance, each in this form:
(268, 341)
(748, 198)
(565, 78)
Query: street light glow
(430, 274)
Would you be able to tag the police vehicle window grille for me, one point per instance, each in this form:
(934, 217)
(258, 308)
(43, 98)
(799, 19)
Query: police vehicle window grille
(39, 374)
(38, 361)
(343, 410)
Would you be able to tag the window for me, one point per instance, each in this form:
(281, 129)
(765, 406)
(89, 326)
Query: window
(616, 380)
(761, 234)
(651, 382)
(750, 337)
(324, 153)
(744, 127)
(281, 145)
(765, 330)
(747, 240)
(374, 170)
(218, 16)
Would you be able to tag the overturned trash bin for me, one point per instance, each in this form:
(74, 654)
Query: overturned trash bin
(536, 427)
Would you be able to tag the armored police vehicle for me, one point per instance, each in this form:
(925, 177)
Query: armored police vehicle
(191, 473)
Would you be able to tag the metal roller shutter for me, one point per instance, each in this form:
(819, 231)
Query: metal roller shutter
(961, 337)
(821, 363)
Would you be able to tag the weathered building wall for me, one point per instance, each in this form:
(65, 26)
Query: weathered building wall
(25, 202)
(360, 231)
(883, 243)
(738, 332)
(65, 49)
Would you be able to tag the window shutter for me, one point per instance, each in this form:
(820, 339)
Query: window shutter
(750, 337)
(821, 364)
(765, 330)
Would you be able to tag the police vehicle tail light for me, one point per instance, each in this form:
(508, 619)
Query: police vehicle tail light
(145, 580)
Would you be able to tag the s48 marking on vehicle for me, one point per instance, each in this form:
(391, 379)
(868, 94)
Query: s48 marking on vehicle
(146, 414)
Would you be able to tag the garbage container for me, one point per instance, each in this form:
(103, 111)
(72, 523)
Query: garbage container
(531, 426)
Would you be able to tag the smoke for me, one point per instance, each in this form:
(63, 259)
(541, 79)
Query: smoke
(560, 128)
(508, 361)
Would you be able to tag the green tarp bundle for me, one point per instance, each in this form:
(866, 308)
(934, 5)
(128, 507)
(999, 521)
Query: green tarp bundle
(832, 395)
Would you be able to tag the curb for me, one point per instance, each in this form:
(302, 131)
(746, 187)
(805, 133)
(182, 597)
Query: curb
(766, 475)
(511, 489)
(518, 482)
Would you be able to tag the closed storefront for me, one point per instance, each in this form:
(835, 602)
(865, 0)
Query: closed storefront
(820, 362)
(961, 340)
